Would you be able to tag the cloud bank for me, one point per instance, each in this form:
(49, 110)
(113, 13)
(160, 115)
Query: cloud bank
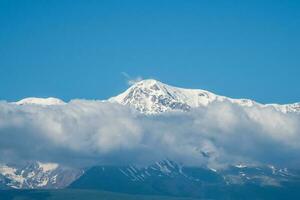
(86, 132)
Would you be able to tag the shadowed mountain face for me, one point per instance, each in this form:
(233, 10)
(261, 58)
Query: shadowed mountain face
(169, 178)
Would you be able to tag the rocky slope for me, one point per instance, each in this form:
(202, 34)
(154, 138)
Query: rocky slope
(37, 175)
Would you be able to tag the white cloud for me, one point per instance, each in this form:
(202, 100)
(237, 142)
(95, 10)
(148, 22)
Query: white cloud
(84, 132)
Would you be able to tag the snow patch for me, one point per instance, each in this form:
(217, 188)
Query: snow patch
(47, 167)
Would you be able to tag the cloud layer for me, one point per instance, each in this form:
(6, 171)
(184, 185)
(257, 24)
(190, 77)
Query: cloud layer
(86, 132)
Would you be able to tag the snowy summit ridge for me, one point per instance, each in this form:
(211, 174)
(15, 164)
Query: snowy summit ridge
(151, 97)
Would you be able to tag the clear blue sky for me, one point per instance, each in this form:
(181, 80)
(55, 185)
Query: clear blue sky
(79, 49)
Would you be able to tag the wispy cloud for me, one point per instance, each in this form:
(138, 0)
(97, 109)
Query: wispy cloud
(130, 80)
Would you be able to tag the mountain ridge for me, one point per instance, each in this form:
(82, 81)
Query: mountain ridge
(150, 96)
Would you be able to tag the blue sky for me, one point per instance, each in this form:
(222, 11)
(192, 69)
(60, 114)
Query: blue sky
(79, 49)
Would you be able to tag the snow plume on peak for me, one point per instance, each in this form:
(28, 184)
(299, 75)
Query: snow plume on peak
(131, 80)
(40, 101)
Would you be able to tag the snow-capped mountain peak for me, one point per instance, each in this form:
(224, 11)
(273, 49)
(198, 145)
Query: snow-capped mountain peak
(40, 101)
(151, 97)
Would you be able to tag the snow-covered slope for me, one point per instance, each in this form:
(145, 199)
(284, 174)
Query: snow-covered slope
(37, 175)
(40, 101)
(152, 97)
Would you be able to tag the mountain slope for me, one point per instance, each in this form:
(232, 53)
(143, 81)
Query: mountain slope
(37, 175)
(152, 97)
(172, 179)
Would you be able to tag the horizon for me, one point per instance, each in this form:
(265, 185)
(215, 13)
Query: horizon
(131, 83)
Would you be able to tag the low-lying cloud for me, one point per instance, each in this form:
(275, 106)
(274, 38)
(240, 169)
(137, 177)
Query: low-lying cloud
(86, 132)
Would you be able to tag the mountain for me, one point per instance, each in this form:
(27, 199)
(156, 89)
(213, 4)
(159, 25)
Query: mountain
(37, 175)
(172, 179)
(153, 97)
(40, 101)
(164, 177)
